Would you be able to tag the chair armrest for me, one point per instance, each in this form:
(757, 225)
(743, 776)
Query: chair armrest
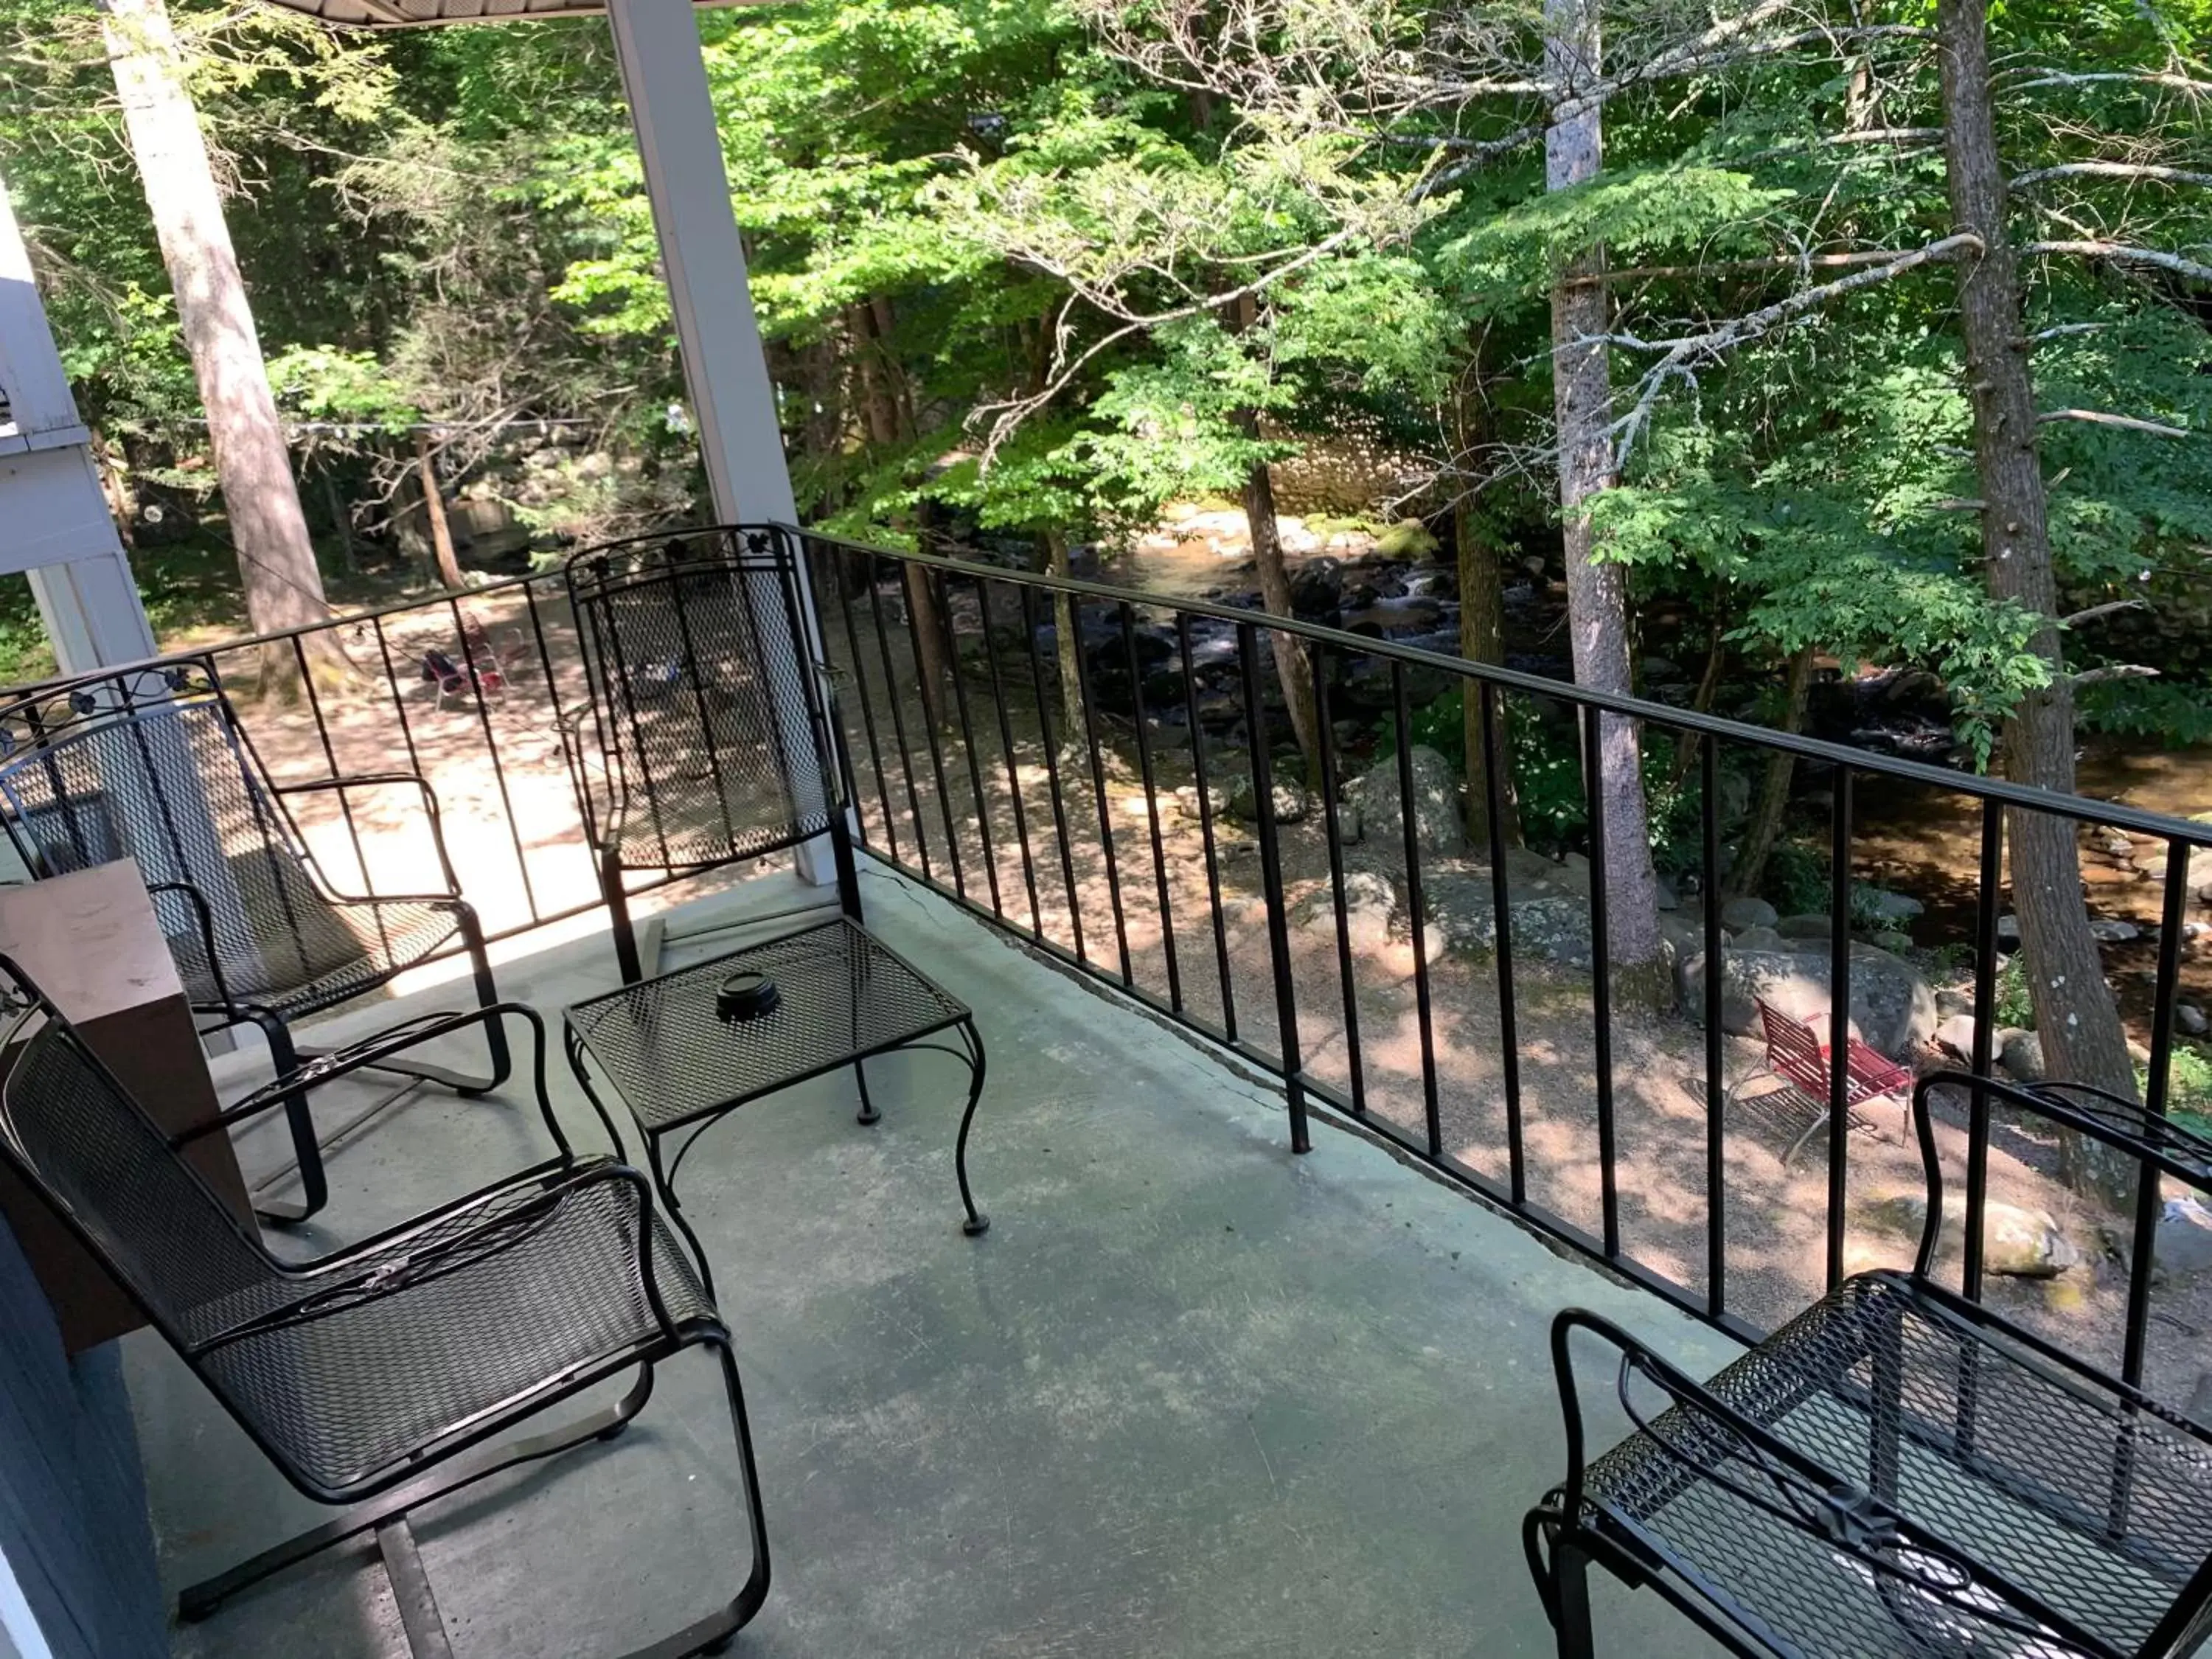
(1712, 1441)
(447, 1241)
(205, 918)
(2119, 1122)
(382, 781)
(382, 1045)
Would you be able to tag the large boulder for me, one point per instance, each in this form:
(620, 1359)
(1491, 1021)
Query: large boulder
(1436, 804)
(2022, 1244)
(1892, 1008)
(1291, 801)
(1744, 911)
(1370, 906)
(1462, 912)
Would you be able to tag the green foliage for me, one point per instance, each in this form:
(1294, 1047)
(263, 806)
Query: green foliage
(2178, 713)
(1797, 881)
(2015, 1004)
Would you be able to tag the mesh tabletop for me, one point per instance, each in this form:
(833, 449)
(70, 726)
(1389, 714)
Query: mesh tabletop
(844, 996)
(2100, 1512)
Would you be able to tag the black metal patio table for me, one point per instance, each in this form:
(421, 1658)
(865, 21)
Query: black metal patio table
(681, 1060)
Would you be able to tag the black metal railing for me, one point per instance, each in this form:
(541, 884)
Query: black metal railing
(999, 790)
(1036, 787)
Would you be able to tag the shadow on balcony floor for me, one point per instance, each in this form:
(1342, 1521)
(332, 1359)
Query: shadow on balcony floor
(1191, 1395)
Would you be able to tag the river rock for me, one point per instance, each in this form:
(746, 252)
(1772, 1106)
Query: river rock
(2110, 930)
(1804, 927)
(1760, 939)
(1892, 941)
(1217, 800)
(1956, 1033)
(2021, 1053)
(1370, 904)
(1350, 826)
(1557, 929)
(1462, 912)
(1880, 906)
(2188, 1019)
(2009, 930)
(2184, 1238)
(1436, 802)
(1746, 911)
(2020, 1243)
(1291, 802)
(1892, 1006)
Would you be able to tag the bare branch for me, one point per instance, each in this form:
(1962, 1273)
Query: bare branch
(2121, 253)
(1682, 355)
(1725, 267)
(2051, 77)
(2097, 611)
(2113, 170)
(2119, 671)
(1958, 504)
(2099, 418)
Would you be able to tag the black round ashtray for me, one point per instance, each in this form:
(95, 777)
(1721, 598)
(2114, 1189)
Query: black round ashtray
(747, 996)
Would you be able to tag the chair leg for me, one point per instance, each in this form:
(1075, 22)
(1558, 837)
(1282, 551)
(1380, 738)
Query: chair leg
(306, 1153)
(199, 1601)
(1571, 1599)
(502, 1058)
(1798, 1145)
(712, 1634)
(868, 1112)
(610, 887)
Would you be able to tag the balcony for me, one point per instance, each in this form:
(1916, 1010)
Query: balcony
(1191, 1394)
(1199, 1390)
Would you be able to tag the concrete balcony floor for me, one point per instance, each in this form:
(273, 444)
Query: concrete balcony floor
(1191, 1395)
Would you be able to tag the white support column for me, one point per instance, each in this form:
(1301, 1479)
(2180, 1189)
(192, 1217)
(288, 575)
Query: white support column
(725, 368)
(665, 79)
(59, 532)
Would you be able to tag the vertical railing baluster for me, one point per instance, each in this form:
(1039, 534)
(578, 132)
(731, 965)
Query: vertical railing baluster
(944, 591)
(1985, 997)
(1600, 928)
(1094, 745)
(867, 709)
(892, 700)
(1501, 902)
(931, 696)
(1326, 732)
(1152, 806)
(1839, 1019)
(399, 701)
(498, 766)
(1205, 827)
(2171, 920)
(1271, 881)
(552, 685)
(1013, 770)
(1709, 814)
(1409, 822)
(330, 760)
(1052, 774)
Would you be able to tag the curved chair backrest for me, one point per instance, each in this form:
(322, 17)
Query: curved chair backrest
(70, 1130)
(705, 704)
(150, 765)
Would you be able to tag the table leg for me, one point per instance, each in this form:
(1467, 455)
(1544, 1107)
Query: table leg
(977, 1222)
(666, 1186)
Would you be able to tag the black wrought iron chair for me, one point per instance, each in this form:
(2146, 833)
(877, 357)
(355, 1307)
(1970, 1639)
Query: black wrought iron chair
(152, 764)
(378, 1376)
(706, 738)
(1900, 1470)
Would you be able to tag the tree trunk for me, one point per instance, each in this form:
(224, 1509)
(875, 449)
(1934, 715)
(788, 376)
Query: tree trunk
(1765, 826)
(1597, 600)
(2075, 1015)
(340, 520)
(1292, 667)
(433, 511)
(117, 489)
(886, 428)
(276, 559)
(1067, 644)
(1482, 638)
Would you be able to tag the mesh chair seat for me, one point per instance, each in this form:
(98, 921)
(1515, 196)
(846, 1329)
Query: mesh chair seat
(377, 1373)
(2029, 1485)
(335, 953)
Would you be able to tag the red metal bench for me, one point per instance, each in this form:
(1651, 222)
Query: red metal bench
(1802, 1062)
